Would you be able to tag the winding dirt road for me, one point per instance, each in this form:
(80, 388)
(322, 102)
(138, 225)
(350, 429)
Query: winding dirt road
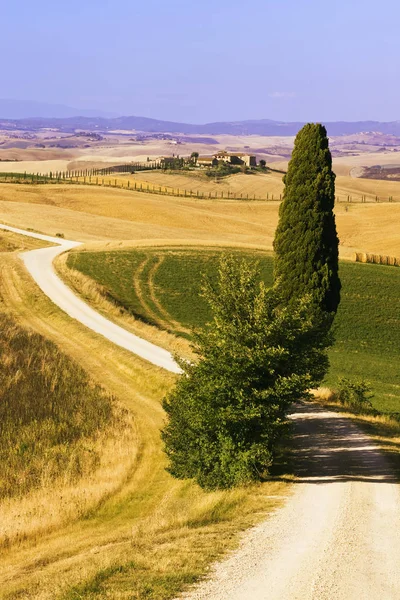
(336, 538)
(338, 535)
(39, 263)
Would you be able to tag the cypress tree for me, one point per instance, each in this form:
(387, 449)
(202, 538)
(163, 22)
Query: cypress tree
(306, 241)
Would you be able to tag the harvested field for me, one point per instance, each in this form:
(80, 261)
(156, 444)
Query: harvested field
(50, 161)
(258, 184)
(101, 214)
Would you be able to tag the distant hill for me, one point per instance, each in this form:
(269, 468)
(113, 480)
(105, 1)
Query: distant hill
(91, 122)
(21, 109)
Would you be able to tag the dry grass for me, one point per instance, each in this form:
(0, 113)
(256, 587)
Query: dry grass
(109, 215)
(56, 464)
(58, 503)
(12, 242)
(257, 184)
(356, 187)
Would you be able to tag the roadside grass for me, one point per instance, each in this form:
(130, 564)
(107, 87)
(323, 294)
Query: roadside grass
(174, 547)
(172, 530)
(13, 242)
(48, 409)
(367, 327)
(60, 436)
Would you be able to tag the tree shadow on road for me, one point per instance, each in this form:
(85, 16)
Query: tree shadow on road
(328, 447)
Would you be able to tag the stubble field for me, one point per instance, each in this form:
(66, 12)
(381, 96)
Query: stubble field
(95, 214)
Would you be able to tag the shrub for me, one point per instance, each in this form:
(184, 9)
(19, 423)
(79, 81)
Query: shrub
(227, 412)
(223, 170)
(355, 394)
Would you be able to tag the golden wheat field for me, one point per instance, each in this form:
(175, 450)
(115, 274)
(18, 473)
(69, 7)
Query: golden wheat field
(95, 214)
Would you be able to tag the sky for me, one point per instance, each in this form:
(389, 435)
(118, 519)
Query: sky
(206, 60)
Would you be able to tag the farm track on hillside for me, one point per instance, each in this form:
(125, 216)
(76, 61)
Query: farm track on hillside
(40, 265)
(337, 537)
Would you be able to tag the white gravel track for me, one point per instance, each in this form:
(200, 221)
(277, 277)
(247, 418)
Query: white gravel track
(39, 263)
(338, 535)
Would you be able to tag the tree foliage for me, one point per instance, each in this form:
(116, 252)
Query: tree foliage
(227, 411)
(306, 242)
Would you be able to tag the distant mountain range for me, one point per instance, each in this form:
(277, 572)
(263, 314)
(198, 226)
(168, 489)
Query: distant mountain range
(26, 109)
(35, 115)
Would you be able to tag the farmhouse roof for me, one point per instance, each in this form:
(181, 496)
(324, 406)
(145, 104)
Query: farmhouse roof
(238, 154)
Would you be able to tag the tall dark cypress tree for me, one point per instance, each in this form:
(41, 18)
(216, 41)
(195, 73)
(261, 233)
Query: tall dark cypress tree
(306, 242)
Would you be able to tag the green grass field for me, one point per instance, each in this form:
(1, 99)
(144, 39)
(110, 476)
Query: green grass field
(163, 286)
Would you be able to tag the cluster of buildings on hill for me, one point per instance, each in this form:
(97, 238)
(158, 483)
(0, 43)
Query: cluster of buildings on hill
(232, 158)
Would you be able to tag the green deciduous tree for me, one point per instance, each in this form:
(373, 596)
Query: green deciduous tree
(306, 242)
(227, 411)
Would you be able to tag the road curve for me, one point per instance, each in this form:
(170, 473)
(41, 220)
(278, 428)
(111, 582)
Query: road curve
(338, 535)
(39, 263)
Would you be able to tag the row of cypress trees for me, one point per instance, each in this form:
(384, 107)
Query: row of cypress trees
(264, 347)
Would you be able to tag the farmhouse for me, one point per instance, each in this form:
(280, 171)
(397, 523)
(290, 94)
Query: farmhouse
(207, 161)
(232, 158)
(237, 158)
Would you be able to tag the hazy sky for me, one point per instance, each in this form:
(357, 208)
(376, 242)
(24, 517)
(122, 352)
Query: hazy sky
(206, 60)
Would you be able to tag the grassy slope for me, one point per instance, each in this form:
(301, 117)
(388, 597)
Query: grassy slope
(12, 242)
(163, 287)
(49, 411)
(154, 534)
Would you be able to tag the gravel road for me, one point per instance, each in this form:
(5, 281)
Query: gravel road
(338, 535)
(39, 263)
